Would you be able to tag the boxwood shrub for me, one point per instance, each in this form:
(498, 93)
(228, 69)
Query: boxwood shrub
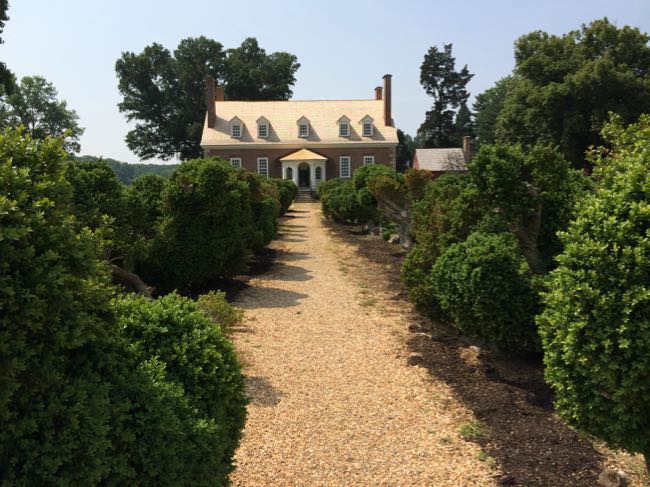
(485, 286)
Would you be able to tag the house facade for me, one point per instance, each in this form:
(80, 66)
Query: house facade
(307, 141)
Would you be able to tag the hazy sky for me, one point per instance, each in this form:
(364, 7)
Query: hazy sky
(344, 47)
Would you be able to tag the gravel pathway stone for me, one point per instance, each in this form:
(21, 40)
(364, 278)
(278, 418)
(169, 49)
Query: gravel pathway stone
(333, 400)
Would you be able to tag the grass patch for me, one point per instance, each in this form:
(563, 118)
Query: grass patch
(472, 431)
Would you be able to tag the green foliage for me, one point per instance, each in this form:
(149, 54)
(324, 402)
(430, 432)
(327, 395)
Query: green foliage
(487, 107)
(96, 192)
(53, 325)
(288, 192)
(207, 229)
(214, 305)
(516, 183)
(127, 172)
(264, 198)
(252, 74)
(195, 360)
(441, 81)
(595, 327)
(33, 104)
(406, 146)
(341, 202)
(156, 82)
(564, 87)
(416, 181)
(463, 125)
(447, 213)
(485, 285)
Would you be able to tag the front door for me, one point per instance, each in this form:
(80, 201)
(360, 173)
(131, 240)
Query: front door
(303, 176)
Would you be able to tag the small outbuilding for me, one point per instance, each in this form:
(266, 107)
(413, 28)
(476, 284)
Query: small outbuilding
(443, 161)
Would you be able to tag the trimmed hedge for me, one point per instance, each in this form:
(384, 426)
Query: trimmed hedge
(207, 231)
(152, 396)
(595, 327)
(188, 352)
(485, 285)
(288, 192)
(54, 326)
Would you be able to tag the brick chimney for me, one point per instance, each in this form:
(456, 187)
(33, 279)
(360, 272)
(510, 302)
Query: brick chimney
(388, 117)
(209, 100)
(378, 93)
(467, 151)
(219, 93)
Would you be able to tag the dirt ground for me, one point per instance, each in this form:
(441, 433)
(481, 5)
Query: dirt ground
(350, 387)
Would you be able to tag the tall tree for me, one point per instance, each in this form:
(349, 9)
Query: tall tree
(487, 107)
(463, 124)
(7, 78)
(405, 151)
(564, 87)
(163, 91)
(251, 74)
(34, 104)
(441, 81)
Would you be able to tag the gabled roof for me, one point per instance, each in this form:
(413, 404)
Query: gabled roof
(343, 119)
(302, 119)
(441, 159)
(322, 116)
(367, 118)
(303, 155)
(262, 119)
(235, 120)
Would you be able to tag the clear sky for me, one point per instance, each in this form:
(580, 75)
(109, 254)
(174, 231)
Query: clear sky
(344, 47)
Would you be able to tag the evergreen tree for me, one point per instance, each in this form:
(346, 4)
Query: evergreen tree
(441, 81)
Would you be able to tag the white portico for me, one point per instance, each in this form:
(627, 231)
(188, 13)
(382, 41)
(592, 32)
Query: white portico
(304, 167)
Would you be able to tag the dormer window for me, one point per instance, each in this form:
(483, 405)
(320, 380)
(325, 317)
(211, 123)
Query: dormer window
(262, 128)
(303, 127)
(344, 126)
(235, 128)
(367, 126)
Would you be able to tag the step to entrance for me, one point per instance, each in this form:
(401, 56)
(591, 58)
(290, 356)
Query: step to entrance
(305, 195)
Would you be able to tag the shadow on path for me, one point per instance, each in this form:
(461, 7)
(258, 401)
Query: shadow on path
(286, 272)
(261, 392)
(270, 297)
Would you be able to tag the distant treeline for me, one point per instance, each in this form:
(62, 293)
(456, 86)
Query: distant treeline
(128, 172)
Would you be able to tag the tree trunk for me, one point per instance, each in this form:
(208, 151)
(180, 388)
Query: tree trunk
(527, 231)
(131, 279)
(398, 215)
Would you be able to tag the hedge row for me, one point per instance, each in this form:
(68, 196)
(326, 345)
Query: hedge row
(199, 225)
(99, 388)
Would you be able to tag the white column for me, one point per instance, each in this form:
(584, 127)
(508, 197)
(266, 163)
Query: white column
(312, 175)
(295, 174)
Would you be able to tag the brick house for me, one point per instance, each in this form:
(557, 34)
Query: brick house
(308, 141)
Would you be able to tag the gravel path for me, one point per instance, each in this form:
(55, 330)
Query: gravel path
(333, 400)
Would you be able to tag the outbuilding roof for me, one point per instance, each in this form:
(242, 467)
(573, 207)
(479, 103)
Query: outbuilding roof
(441, 159)
(283, 115)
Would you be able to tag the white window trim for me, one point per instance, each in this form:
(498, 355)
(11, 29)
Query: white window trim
(368, 160)
(347, 129)
(348, 160)
(367, 124)
(318, 169)
(259, 130)
(259, 166)
(235, 162)
(306, 134)
(232, 130)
